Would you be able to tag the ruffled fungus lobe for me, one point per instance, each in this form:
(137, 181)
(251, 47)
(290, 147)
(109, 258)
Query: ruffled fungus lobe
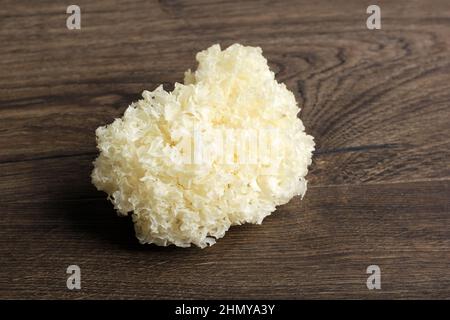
(150, 164)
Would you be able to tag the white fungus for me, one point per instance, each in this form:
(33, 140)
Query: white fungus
(222, 149)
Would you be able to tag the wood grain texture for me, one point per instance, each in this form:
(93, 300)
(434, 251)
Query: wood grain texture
(377, 103)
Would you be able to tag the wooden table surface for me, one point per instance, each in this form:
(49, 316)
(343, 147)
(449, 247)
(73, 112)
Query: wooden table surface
(376, 101)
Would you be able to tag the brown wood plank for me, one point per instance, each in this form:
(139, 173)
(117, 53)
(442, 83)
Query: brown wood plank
(316, 248)
(377, 102)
